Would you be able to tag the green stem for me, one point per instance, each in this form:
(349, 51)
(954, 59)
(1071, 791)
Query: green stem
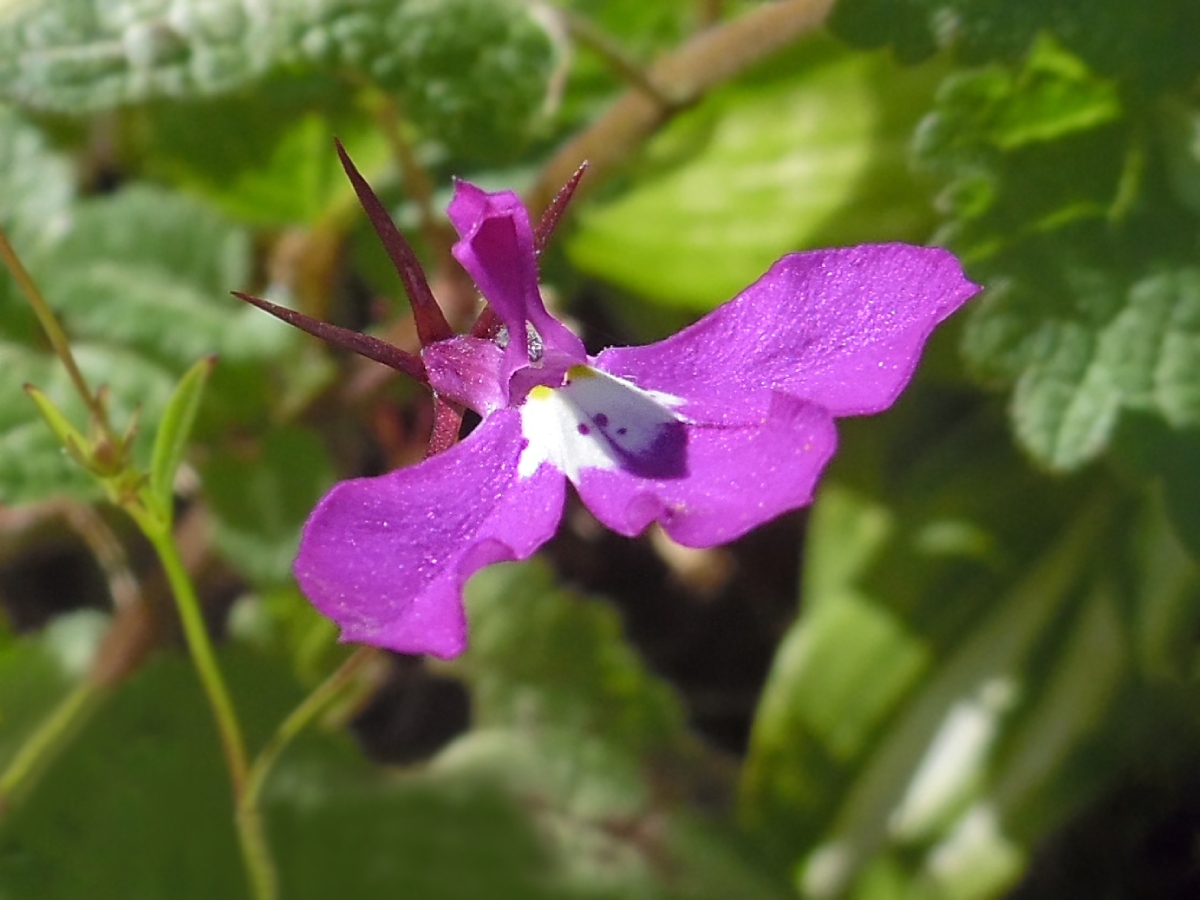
(50, 736)
(49, 323)
(252, 837)
(682, 77)
(301, 717)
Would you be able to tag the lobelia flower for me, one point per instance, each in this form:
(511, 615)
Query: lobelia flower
(709, 433)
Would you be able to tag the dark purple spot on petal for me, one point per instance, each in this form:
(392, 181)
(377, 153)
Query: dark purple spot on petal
(583, 429)
(600, 419)
(622, 430)
(665, 458)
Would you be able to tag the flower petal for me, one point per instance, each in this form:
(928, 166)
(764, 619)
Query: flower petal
(496, 248)
(843, 328)
(465, 369)
(597, 421)
(386, 558)
(736, 478)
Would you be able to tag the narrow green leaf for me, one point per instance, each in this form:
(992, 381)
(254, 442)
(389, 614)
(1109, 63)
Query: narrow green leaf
(68, 435)
(906, 789)
(174, 430)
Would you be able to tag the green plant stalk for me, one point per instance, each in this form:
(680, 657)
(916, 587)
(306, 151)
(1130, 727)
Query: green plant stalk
(56, 730)
(49, 323)
(51, 735)
(252, 838)
(301, 717)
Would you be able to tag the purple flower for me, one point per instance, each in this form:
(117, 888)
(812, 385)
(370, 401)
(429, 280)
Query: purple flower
(710, 433)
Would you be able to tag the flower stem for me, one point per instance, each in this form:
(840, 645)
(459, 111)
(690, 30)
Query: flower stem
(256, 854)
(49, 323)
(51, 735)
(300, 718)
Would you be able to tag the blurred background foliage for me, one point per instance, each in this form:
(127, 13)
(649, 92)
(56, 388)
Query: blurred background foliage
(980, 683)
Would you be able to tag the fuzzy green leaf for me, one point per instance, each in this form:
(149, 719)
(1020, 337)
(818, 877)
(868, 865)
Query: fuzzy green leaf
(570, 720)
(470, 71)
(472, 74)
(140, 282)
(1081, 350)
(1138, 40)
(75, 56)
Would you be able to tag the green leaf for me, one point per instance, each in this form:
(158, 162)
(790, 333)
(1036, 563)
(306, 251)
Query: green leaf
(72, 56)
(281, 621)
(805, 154)
(1081, 349)
(568, 718)
(836, 677)
(1159, 453)
(1140, 41)
(1179, 130)
(960, 680)
(928, 764)
(68, 436)
(140, 282)
(174, 431)
(472, 74)
(36, 193)
(36, 185)
(1052, 95)
(457, 65)
(260, 497)
(263, 155)
(1029, 148)
(140, 807)
(168, 264)
(535, 647)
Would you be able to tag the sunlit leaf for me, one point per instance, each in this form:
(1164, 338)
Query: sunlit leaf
(805, 154)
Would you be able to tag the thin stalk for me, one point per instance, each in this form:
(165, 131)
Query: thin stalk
(252, 837)
(710, 58)
(49, 323)
(609, 49)
(51, 735)
(300, 718)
